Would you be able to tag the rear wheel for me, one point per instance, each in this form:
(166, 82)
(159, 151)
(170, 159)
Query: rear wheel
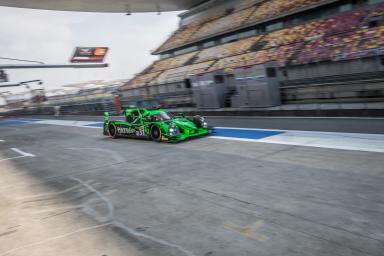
(156, 133)
(112, 131)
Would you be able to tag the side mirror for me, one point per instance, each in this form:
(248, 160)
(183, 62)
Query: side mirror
(181, 114)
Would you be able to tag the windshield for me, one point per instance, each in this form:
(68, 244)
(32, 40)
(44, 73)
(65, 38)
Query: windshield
(163, 117)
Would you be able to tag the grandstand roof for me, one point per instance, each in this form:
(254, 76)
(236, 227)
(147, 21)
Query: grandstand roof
(127, 6)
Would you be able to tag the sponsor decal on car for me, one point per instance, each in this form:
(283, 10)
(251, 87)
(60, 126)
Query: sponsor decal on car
(140, 132)
(126, 130)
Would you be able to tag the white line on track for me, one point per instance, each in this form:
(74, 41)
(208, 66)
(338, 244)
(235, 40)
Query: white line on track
(247, 129)
(73, 123)
(344, 141)
(91, 127)
(231, 138)
(347, 134)
(297, 117)
(22, 152)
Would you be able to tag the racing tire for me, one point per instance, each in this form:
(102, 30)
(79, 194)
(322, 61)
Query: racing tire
(156, 133)
(112, 131)
(197, 121)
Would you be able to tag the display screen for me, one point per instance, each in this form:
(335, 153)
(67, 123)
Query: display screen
(89, 54)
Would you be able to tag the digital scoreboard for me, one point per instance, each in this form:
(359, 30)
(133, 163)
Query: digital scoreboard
(89, 54)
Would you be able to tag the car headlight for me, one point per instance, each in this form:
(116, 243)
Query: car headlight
(173, 129)
(203, 123)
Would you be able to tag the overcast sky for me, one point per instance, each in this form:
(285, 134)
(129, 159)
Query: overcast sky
(50, 37)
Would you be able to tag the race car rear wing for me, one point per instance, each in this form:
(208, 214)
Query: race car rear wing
(106, 117)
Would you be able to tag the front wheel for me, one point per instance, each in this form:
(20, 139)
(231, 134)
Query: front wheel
(156, 133)
(199, 121)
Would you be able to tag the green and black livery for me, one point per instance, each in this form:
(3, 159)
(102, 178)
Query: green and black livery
(158, 125)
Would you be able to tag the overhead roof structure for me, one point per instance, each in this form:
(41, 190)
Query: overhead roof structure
(127, 6)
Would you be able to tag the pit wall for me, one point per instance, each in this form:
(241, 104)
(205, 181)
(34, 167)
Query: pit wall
(360, 80)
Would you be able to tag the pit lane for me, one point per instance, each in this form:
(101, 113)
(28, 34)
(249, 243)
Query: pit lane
(207, 196)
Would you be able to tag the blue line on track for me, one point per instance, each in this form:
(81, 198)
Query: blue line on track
(244, 134)
(230, 133)
(100, 125)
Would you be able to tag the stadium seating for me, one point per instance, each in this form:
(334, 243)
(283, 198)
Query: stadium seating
(141, 80)
(268, 9)
(279, 54)
(181, 73)
(335, 38)
(185, 32)
(334, 25)
(357, 44)
(226, 50)
(172, 62)
(180, 36)
(248, 12)
(225, 23)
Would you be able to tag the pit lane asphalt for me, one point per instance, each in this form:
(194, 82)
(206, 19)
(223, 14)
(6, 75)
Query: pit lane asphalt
(211, 197)
(349, 125)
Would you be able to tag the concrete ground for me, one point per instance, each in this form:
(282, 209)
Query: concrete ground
(35, 220)
(68, 190)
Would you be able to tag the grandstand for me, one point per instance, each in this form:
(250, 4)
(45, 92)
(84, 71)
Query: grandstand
(317, 51)
(88, 97)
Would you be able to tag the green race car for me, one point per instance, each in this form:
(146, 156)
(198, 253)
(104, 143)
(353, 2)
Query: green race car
(158, 125)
